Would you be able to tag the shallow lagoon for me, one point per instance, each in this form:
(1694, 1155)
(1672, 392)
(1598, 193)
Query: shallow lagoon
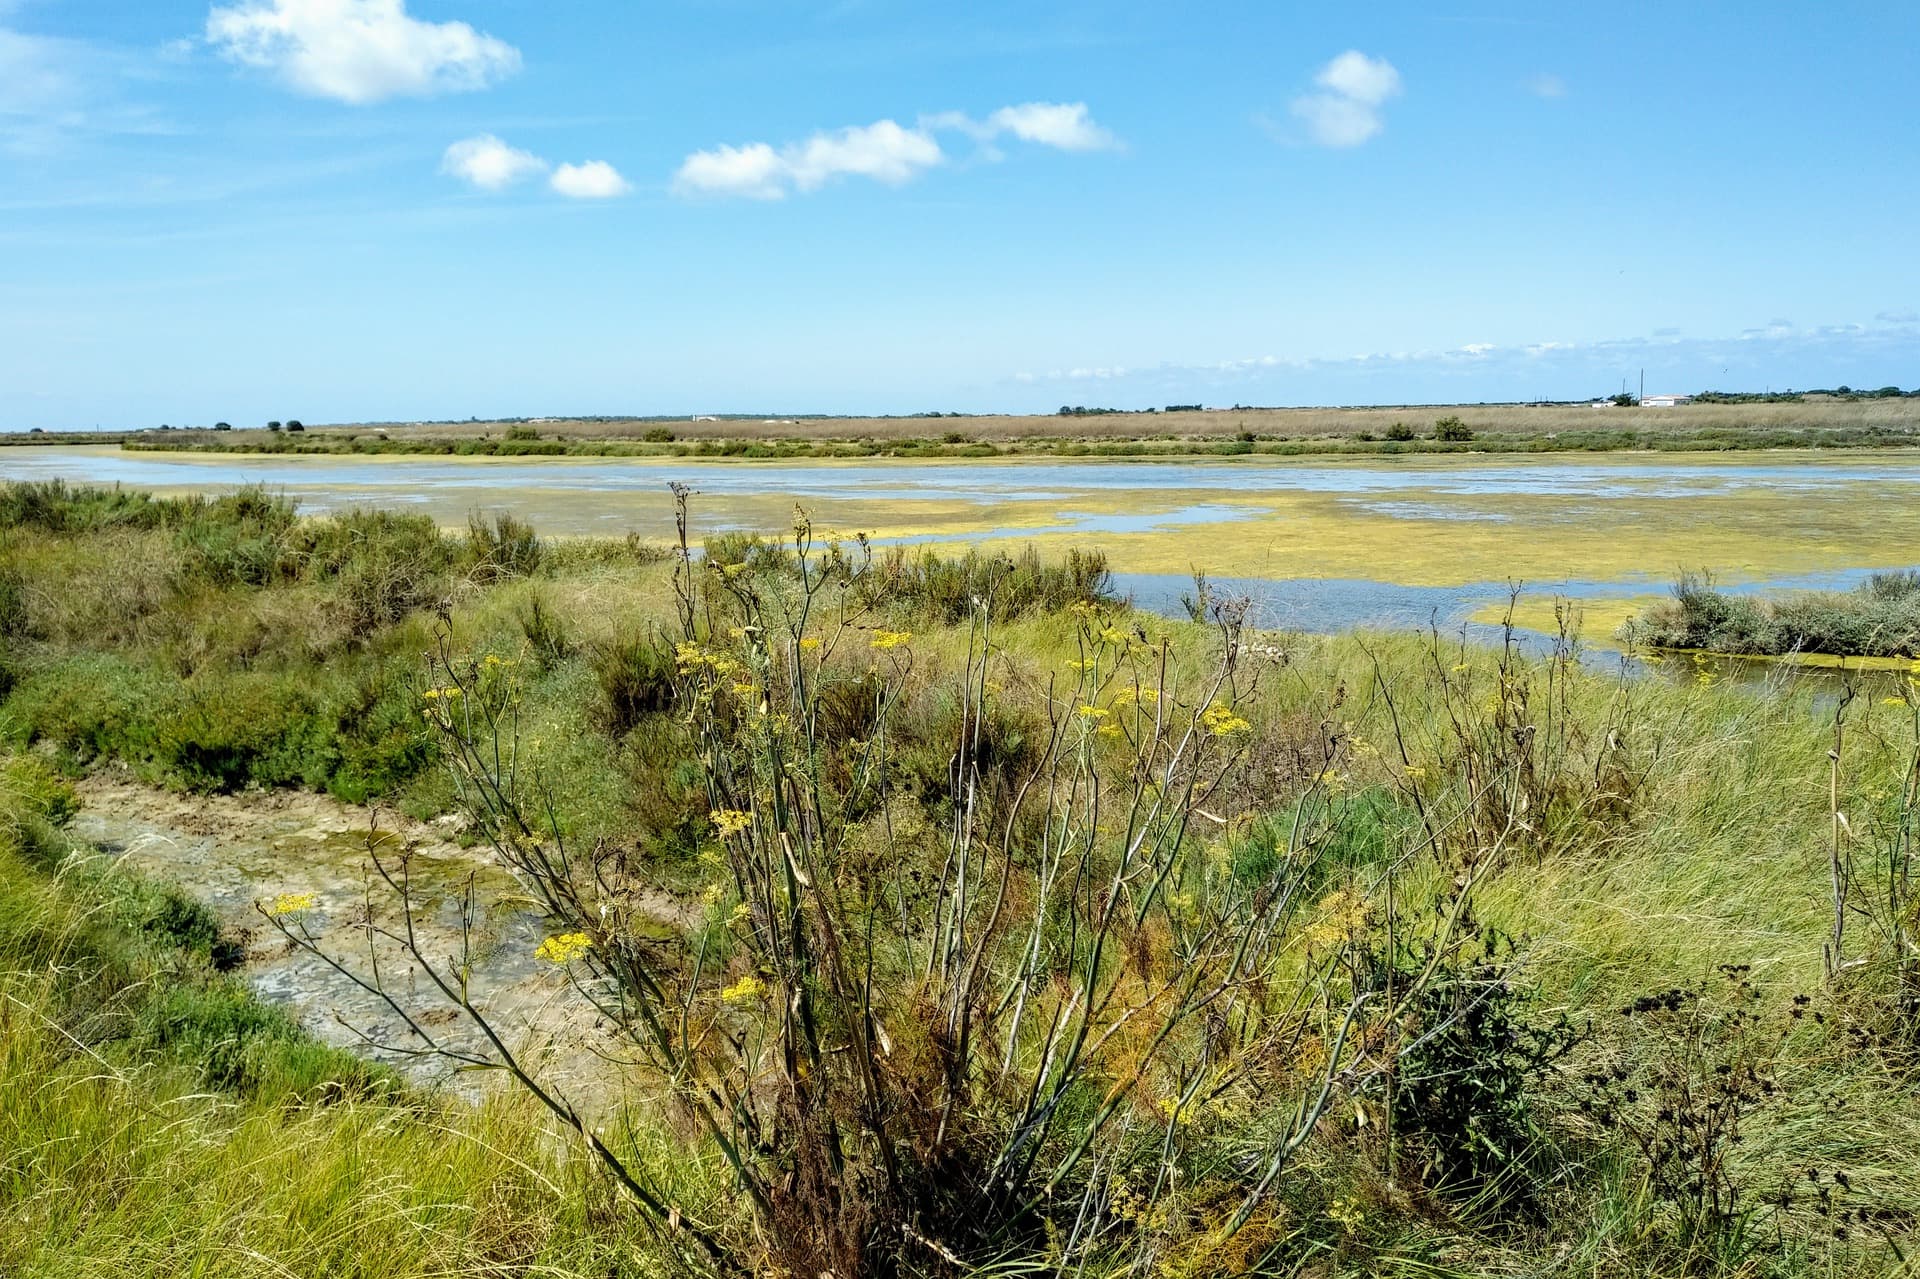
(1318, 545)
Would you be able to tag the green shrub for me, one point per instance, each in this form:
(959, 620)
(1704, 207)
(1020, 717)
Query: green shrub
(34, 803)
(13, 606)
(1879, 619)
(233, 540)
(545, 632)
(636, 678)
(381, 565)
(657, 435)
(1469, 1078)
(942, 589)
(264, 730)
(54, 507)
(225, 730)
(92, 705)
(1400, 432)
(378, 743)
(502, 548)
(1451, 430)
(1898, 584)
(756, 552)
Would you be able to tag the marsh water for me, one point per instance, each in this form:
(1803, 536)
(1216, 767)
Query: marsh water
(325, 482)
(1823, 521)
(238, 853)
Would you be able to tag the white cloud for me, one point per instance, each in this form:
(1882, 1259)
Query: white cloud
(1348, 110)
(594, 180)
(358, 51)
(1356, 76)
(492, 165)
(1066, 125)
(884, 151)
(489, 163)
(754, 171)
(1545, 85)
(1333, 121)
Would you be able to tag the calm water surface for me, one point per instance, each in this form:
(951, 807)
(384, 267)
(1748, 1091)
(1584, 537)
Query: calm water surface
(406, 478)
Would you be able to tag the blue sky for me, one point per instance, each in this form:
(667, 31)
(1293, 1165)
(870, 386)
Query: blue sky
(366, 209)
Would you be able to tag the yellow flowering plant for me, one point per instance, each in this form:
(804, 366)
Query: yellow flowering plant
(563, 948)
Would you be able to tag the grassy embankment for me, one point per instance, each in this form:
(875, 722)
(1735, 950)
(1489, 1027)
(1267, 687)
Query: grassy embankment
(1406, 805)
(1442, 430)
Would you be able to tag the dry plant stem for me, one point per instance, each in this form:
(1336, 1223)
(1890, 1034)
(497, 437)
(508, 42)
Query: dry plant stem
(1834, 950)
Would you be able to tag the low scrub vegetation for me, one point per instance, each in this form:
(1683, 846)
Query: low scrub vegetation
(1879, 618)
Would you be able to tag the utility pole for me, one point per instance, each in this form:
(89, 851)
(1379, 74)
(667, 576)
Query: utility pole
(1643, 384)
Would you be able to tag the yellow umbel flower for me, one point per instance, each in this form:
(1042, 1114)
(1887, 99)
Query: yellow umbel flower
(564, 948)
(290, 904)
(730, 821)
(748, 987)
(1221, 721)
(890, 639)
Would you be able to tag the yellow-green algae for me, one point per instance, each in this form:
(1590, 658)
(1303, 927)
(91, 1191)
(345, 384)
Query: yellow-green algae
(1645, 527)
(1597, 618)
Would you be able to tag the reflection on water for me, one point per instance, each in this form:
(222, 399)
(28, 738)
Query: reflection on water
(1330, 605)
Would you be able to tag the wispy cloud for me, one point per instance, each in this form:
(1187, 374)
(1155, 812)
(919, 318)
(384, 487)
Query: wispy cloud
(486, 162)
(1349, 107)
(1753, 357)
(36, 80)
(884, 151)
(358, 51)
(1546, 85)
(1905, 316)
(52, 88)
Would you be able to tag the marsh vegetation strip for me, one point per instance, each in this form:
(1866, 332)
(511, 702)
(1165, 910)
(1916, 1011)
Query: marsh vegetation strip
(1421, 522)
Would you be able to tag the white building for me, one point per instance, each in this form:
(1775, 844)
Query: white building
(1665, 401)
